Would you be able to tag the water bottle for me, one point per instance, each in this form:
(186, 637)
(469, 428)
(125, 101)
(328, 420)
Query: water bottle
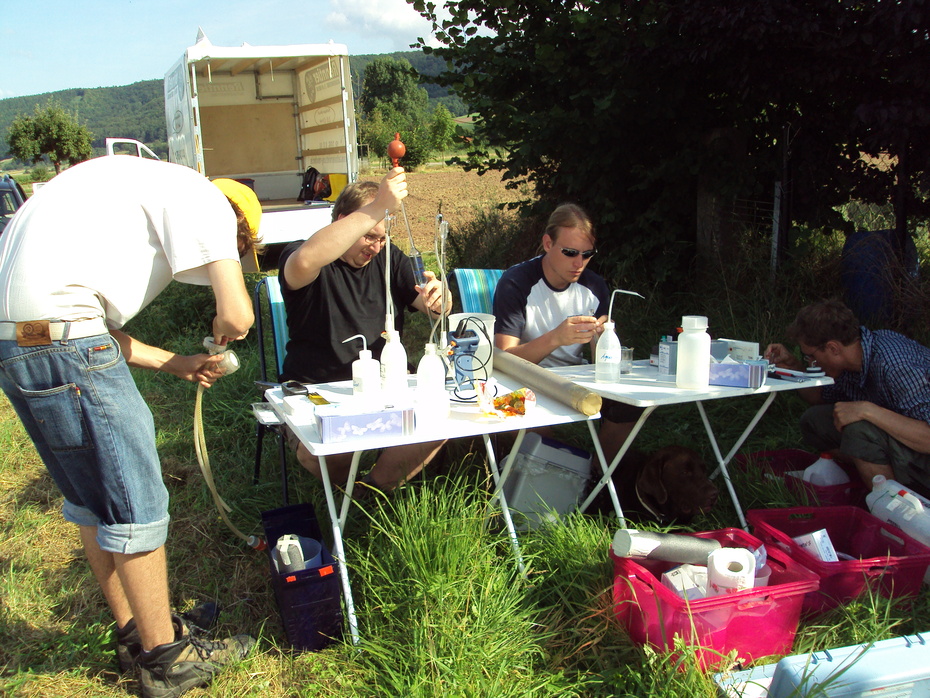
(608, 355)
(824, 472)
(394, 368)
(431, 401)
(693, 354)
(896, 504)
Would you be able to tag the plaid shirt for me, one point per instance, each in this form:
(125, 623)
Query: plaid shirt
(895, 375)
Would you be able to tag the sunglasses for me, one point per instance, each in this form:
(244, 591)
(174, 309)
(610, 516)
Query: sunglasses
(572, 252)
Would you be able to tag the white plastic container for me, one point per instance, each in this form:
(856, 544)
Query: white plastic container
(394, 368)
(824, 472)
(693, 371)
(608, 355)
(431, 401)
(366, 372)
(900, 506)
(548, 477)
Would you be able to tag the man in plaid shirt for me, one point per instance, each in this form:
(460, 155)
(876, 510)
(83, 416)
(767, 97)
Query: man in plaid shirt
(877, 412)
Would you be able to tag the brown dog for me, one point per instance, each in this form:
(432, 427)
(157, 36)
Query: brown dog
(670, 485)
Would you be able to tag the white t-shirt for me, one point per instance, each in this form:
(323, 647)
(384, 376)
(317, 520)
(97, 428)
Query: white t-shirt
(105, 237)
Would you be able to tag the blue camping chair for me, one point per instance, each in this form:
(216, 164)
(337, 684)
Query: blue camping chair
(476, 288)
(275, 332)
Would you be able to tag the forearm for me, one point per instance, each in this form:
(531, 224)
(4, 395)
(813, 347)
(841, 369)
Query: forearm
(141, 355)
(535, 350)
(913, 433)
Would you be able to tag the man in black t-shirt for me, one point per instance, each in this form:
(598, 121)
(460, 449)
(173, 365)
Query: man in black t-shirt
(333, 285)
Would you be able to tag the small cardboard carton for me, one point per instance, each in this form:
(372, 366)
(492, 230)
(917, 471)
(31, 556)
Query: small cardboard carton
(738, 375)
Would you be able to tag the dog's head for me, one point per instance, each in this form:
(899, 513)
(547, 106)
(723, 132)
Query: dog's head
(673, 483)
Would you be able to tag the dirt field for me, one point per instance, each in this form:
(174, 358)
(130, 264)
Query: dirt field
(460, 193)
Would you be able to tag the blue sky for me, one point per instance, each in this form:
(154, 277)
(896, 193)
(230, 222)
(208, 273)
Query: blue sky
(50, 45)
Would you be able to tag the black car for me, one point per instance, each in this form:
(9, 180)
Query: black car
(12, 197)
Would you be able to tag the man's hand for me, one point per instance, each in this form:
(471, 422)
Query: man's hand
(577, 329)
(197, 368)
(431, 294)
(779, 355)
(848, 412)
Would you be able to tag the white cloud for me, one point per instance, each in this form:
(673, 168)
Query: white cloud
(394, 20)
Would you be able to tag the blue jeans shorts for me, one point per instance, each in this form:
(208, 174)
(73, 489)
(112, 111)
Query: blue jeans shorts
(95, 434)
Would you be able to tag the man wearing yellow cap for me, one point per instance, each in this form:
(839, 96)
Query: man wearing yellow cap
(81, 258)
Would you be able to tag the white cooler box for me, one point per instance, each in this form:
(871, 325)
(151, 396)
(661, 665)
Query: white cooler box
(547, 480)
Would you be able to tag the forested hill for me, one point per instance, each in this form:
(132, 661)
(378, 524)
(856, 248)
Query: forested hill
(138, 110)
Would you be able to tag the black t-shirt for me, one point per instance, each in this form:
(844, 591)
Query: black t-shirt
(342, 302)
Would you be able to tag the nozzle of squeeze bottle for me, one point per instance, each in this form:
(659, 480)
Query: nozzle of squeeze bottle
(230, 362)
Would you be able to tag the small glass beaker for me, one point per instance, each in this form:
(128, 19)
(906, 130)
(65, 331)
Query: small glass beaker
(626, 360)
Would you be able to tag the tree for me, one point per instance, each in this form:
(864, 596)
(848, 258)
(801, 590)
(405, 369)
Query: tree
(51, 131)
(392, 103)
(635, 109)
(442, 128)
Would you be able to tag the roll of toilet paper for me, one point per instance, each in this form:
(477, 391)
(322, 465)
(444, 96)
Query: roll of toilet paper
(730, 570)
(670, 547)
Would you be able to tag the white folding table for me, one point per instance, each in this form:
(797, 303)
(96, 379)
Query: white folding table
(464, 421)
(644, 387)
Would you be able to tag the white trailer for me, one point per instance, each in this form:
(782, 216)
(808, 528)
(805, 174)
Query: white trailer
(263, 115)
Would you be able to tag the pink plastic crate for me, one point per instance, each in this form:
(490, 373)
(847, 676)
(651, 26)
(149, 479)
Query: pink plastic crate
(755, 622)
(787, 459)
(889, 560)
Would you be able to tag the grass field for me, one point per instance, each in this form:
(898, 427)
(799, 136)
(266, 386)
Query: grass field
(441, 607)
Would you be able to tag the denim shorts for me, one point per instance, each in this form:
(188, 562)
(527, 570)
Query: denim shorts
(95, 434)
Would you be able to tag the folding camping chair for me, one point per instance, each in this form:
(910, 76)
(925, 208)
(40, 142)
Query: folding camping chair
(476, 288)
(275, 332)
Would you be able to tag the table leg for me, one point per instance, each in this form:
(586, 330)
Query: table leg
(721, 461)
(499, 479)
(608, 471)
(338, 550)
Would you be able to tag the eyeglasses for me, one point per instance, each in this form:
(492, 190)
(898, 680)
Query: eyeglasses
(811, 359)
(374, 239)
(572, 252)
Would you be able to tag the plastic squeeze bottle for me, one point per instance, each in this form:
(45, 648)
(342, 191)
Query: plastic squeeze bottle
(394, 368)
(431, 401)
(825, 472)
(366, 371)
(608, 355)
(693, 353)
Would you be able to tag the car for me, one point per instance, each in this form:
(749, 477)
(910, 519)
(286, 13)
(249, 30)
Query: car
(12, 197)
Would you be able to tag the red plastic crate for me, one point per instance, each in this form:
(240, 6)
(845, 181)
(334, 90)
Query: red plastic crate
(889, 560)
(755, 622)
(787, 459)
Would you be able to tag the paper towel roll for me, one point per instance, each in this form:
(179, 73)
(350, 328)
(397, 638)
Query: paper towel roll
(647, 545)
(730, 570)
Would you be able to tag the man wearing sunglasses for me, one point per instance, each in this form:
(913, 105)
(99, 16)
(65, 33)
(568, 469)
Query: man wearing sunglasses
(877, 412)
(548, 308)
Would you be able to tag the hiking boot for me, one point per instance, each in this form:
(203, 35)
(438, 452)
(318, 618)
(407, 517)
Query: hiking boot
(199, 620)
(190, 661)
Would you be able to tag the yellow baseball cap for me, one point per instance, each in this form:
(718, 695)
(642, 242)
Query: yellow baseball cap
(244, 198)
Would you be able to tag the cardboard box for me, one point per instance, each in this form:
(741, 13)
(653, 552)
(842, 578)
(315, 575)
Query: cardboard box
(687, 580)
(742, 351)
(357, 420)
(818, 544)
(737, 375)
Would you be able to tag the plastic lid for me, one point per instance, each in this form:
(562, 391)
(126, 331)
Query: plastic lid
(430, 348)
(365, 354)
(694, 322)
(609, 325)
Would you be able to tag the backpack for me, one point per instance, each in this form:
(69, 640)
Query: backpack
(314, 186)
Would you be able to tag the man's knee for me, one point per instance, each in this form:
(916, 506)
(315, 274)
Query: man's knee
(817, 428)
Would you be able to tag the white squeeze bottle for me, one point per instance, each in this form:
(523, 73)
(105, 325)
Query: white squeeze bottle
(693, 354)
(431, 401)
(366, 371)
(607, 361)
(394, 368)
(824, 472)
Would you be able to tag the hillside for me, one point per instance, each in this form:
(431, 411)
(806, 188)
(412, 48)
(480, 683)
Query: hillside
(138, 110)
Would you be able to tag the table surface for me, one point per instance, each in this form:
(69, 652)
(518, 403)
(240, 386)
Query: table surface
(464, 419)
(644, 388)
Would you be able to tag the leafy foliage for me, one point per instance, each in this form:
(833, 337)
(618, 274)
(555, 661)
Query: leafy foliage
(51, 132)
(634, 109)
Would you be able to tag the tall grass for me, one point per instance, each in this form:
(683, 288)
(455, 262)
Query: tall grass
(442, 609)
